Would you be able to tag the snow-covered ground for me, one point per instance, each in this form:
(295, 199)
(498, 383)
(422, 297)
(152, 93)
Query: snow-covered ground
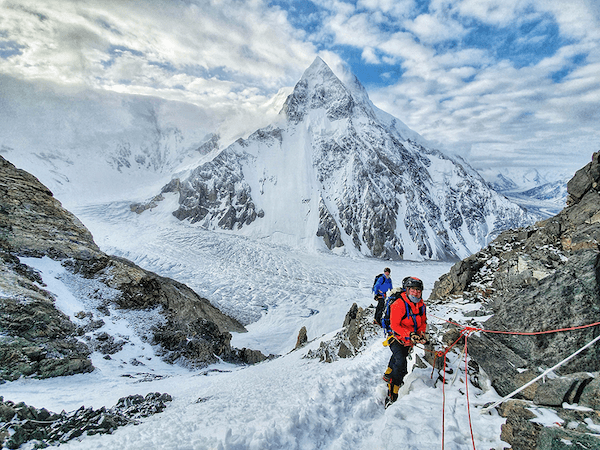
(287, 403)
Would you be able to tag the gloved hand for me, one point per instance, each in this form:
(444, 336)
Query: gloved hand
(418, 338)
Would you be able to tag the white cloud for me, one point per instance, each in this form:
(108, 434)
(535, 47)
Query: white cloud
(231, 56)
(495, 12)
(369, 55)
(394, 8)
(577, 18)
(431, 29)
(75, 41)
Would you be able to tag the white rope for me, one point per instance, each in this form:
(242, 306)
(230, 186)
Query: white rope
(485, 410)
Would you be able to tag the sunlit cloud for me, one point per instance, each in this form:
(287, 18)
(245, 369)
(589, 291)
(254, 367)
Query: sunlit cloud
(488, 79)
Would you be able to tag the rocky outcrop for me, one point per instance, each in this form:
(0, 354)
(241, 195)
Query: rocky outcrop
(522, 431)
(539, 278)
(38, 340)
(216, 192)
(20, 423)
(358, 329)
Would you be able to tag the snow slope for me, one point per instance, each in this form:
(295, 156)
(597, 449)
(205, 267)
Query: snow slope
(287, 403)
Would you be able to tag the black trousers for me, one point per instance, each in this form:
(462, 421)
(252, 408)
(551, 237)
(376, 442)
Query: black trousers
(398, 362)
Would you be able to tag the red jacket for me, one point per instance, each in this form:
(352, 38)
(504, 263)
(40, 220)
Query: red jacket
(406, 317)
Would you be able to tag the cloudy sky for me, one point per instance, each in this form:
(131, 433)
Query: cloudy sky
(513, 82)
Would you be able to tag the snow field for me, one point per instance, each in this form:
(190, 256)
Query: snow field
(286, 403)
(297, 403)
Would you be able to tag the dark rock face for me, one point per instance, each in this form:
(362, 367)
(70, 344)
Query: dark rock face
(524, 434)
(540, 278)
(38, 340)
(20, 423)
(216, 192)
(302, 338)
(33, 222)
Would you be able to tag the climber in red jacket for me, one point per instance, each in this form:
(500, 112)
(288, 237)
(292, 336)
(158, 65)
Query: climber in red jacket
(408, 322)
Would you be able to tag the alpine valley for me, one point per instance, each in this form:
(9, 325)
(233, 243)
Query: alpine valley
(169, 280)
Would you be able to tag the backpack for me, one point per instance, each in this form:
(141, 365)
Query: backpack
(395, 295)
(375, 282)
(385, 313)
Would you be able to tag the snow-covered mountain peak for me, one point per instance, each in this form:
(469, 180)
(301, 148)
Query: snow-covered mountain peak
(334, 173)
(320, 89)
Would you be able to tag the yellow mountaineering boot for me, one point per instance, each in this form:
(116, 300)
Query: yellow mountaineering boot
(392, 394)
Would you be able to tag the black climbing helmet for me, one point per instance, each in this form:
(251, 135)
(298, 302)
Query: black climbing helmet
(412, 282)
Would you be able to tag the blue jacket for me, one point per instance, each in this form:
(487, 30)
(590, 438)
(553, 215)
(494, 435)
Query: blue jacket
(383, 285)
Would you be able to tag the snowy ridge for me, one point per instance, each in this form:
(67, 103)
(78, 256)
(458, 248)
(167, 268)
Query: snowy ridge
(333, 173)
(289, 402)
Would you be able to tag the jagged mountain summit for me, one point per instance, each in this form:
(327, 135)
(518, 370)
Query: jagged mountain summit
(334, 172)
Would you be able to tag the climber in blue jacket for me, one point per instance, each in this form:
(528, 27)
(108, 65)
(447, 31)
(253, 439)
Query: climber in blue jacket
(383, 283)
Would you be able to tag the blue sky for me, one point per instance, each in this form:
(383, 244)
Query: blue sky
(500, 82)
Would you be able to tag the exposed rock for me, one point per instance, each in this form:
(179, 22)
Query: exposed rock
(522, 431)
(38, 340)
(302, 338)
(33, 222)
(248, 356)
(590, 396)
(139, 208)
(584, 180)
(568, 389)
(518, 430)
(20, 423)
(358, 328)
(328, 228)
(35, 338)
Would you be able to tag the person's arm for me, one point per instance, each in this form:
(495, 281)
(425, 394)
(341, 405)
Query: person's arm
(377, 287)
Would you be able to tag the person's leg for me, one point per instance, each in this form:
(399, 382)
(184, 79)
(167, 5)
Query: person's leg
(398, 366)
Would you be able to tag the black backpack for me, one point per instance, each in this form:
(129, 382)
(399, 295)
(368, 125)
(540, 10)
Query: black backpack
(384, 316)
(375, 282)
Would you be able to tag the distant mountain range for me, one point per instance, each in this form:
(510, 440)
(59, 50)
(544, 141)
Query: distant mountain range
(335, 173)
(541, 192)
(330, 173)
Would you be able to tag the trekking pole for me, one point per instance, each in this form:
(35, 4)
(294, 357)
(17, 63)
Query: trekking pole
(502, 400)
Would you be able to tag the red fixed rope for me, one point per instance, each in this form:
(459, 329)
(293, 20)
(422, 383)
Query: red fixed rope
(465, 331)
